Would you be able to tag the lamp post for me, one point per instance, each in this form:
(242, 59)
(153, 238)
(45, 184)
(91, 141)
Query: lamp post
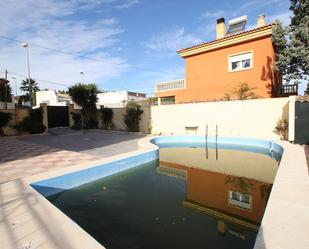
(83, 77)
(13, 78)
(26, 45)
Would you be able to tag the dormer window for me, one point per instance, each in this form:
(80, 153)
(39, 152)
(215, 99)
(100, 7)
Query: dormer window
(241, 61)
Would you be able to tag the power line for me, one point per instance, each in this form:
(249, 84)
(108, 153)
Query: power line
(61, 84)
(78, 55)
(41, 80)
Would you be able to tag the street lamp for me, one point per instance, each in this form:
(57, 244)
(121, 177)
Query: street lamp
(83, 76)
(26, 45)
(13, 78)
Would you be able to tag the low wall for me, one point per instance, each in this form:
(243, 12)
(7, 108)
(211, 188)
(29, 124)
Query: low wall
(10, 105)
(118, 115)
(120, 125)
(17, 115)
(240, 118)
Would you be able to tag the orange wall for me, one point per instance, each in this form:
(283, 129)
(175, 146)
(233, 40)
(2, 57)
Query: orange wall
(211, 190)
(207, 75)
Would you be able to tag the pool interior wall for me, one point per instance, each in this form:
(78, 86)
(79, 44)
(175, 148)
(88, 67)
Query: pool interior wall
(61, 183)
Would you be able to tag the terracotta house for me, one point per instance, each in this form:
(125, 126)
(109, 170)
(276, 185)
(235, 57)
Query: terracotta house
(213, 68)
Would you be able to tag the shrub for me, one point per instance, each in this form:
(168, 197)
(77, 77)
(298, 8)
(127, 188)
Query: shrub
(4, 120)
(282, 128)
(243, 91)
(85, 95)
(107, 118)
(77, 121)
(133, 116)
(33, 123)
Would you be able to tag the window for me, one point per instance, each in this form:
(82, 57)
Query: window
(239, 62)
(241, 200)
(168, 100)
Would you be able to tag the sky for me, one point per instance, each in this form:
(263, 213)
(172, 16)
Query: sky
(117, 44)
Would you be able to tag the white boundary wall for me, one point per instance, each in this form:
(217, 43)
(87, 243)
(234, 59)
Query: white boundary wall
(240, 118)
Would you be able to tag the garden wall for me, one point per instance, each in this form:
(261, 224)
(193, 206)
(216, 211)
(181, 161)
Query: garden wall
(120, 125)
(17, 115)
(240, 118)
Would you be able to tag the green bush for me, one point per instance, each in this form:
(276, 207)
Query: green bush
(107, 118)
(4, 120)
(85, 95)
(77, 121)
(33, 123)
(133, 116)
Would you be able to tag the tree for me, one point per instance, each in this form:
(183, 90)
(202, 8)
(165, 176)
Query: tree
(133, 116)
(242, 92)
(29, 88)
(85, 95)
(8, 93)
(291, 43)
(26, 87)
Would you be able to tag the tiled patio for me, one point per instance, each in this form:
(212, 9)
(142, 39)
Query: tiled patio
(20, 158)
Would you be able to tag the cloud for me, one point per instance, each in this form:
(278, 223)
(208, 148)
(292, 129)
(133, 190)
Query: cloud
(51, 24)
(127, 4)
(212, 15)
(284, 17)
(172, 41)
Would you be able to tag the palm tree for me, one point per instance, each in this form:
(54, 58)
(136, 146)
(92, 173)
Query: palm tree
(32, 87)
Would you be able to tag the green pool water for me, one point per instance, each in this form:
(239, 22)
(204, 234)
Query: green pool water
(144, 207)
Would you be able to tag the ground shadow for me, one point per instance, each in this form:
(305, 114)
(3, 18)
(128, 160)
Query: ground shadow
(95, 142)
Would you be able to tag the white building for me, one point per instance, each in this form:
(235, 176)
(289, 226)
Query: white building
(118, 98)
(107, 99)
(52, 98)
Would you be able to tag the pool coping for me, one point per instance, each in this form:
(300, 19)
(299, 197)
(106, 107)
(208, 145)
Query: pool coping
(291, 181)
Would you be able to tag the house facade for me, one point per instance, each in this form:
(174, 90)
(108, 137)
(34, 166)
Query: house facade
(216, 67)
(118, 99)
(52, 98)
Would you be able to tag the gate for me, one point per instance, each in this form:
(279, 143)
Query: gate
(58, 116)
(302, 122)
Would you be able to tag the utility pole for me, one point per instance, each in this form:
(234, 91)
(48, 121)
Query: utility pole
(6, 89)
(26, 45)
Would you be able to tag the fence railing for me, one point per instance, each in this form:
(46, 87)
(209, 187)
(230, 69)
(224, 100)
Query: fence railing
(171, 85)
(287, 90)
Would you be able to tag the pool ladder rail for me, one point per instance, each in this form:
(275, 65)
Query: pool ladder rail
(206, 141)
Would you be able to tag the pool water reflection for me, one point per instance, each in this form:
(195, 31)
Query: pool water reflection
(187, 200)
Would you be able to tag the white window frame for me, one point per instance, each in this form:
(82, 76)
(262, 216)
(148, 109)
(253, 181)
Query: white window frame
(240, 57)
(239, 204)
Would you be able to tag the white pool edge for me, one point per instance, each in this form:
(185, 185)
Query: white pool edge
(290, 195)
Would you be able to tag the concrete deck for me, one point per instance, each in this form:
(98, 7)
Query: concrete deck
(286, 220)
(28, 220)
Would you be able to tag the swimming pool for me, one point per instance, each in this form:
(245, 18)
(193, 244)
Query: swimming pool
(122, 189)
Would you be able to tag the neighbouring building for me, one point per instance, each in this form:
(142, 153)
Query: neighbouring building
(119, 99)
(108, 99)
(213, 68)
(52, 98)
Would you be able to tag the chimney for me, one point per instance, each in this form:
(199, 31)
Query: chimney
(220, 29)
(261, 21)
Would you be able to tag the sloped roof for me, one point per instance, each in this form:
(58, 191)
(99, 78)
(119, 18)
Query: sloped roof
(230, 37)
(302, 99)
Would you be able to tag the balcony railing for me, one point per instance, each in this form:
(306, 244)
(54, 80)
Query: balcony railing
(171, 85)
(287, 90)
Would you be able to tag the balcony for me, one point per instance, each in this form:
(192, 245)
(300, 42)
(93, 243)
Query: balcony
(288, 90)
(171, 85)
